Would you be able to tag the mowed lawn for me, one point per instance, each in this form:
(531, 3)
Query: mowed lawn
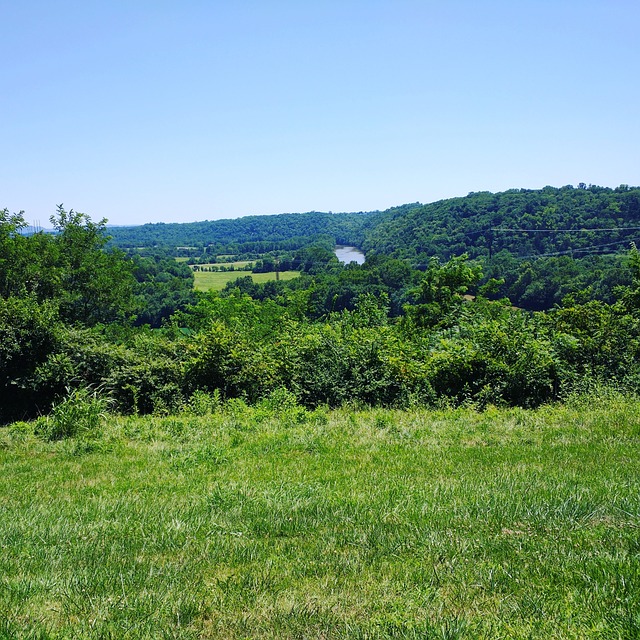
(276, 522)
(207, 280)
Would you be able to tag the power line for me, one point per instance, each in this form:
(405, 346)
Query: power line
(583, 230)
(573, 251)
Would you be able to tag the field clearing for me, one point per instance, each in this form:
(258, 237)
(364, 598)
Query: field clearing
(277, 522)
(238, 264)
(216, 280)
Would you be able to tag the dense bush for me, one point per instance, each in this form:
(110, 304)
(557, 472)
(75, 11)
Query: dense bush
(27, 338)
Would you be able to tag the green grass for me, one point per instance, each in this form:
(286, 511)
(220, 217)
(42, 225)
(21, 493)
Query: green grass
(276, 522)
(237, 264)
(207, 280)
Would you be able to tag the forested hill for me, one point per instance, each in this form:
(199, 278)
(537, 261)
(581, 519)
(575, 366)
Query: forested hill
(284, 231)
(577, 221)
(527, 223)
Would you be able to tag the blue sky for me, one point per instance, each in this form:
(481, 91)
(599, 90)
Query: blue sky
(146, 111)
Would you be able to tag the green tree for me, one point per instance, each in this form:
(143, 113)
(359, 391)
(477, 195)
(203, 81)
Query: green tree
(13, 253)
(439, 297)
(96, 286)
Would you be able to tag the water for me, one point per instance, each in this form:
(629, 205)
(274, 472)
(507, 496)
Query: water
(349, 254)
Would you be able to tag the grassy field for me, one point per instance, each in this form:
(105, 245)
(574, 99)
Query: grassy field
(238, 264)
(276, 522)
(207, 280)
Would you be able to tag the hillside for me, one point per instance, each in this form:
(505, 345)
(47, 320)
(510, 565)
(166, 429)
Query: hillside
(524, 222)
(284, 231)
(540, 244)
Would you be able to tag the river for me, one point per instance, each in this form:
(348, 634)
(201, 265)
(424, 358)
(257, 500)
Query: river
(349, 254)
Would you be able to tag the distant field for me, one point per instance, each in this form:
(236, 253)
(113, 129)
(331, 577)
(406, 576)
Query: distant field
(207, 280)
(276, 522)
(238, 264)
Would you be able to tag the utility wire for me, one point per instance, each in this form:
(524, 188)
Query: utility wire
(573, 251)
(582, 230)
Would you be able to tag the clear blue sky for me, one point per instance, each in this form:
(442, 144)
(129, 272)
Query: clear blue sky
(150, 110)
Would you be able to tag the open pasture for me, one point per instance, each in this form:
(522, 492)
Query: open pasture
(237, 264)
(216, 280)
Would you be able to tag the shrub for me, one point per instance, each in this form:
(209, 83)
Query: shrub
(282, 405)
(80, 415)
(202, 403)
(27, 337)
(146, 383)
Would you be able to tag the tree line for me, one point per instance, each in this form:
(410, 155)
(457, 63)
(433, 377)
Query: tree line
(75, 313)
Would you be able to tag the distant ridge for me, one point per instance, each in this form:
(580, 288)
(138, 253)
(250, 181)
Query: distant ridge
(523, 222)
(519, 221)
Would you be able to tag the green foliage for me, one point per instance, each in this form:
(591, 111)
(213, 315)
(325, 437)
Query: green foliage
(27, 337)
(201, 403)
(370, 311)
(14, 257)
(95, 286)
(543, 243)
(259, 234)
(449, 348)
(79, 415)
(557, 252)
(502, 360)
(149, 378)
(630, 296)
(281, 405)
(88, 284)
(163, 287)
(439, 298)
(483, 224)
(223, 358)
(596, 340)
